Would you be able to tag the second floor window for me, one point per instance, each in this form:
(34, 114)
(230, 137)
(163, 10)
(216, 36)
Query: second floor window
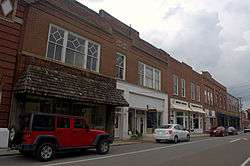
(149, 76)
(149, 81)
(120, 66)
(183, 88)
(72, 49)
(192, 91)
(175, 85)
(205, 96)
(198, 89)
(141, 73)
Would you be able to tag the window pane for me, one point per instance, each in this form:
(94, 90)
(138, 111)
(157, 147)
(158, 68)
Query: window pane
(92, 49)
(119, 66)
(141, 73)
(94, 64)
(63, 122)
(79, 123)
(69, 57)
(149, 77)
(58, 52)
(43, 122)
(51, 49)
(89, 63)
(78, 60)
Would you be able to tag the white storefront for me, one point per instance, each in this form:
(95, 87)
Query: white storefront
(209, 119)
(142, 103)
(189, 115)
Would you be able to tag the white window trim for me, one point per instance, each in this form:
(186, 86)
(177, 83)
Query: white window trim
(66, 32)
(144, 76)
(177, 82)
(124, 65)
(183, 87)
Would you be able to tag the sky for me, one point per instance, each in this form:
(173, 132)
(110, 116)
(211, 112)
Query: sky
(211, 35)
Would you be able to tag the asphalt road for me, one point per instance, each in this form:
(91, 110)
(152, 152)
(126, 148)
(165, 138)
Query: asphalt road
(226, 151)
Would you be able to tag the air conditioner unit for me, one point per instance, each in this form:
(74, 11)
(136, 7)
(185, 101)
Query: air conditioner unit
(4, 137)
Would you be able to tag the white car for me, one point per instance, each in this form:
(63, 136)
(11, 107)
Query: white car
(171, 132)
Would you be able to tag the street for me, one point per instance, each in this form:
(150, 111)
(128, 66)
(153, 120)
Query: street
(206, 151)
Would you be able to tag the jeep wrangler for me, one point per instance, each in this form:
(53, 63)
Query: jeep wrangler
(44, 135)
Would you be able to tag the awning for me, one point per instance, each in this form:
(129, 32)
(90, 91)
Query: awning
(143, 102)
(52, 83)
(179, 105)
(197, 108)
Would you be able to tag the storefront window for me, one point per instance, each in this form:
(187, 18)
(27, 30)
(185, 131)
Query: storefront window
(179, 120)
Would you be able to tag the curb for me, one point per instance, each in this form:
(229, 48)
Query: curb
(126, 143)
(2, 154)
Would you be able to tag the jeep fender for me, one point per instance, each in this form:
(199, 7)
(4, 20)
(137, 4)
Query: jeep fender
(102, 136)
(46, 138)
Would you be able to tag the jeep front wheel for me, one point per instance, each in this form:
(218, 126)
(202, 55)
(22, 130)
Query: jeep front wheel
(45, 152)
(103, 147)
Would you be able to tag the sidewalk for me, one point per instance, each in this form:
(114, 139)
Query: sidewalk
(8, 152)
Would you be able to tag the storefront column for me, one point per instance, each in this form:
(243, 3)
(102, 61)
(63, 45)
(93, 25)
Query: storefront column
(124, 123)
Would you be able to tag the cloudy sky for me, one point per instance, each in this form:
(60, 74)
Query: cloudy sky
(211, 35)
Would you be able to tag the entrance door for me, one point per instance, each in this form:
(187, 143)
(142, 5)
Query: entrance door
(140, 123)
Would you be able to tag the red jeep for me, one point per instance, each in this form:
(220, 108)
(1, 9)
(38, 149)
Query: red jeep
(43, 135)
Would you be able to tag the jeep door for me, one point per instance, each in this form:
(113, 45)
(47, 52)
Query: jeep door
(63, 131)
(81, 135)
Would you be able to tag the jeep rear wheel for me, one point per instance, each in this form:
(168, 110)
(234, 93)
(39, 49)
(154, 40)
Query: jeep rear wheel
(45, 152)
(103, 147)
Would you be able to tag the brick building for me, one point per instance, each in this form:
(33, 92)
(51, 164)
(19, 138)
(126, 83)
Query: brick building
(11, 21)
(184, 91)
(69, 59)
(60, 64)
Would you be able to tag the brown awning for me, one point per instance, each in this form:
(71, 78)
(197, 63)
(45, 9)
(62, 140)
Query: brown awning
(52, 83)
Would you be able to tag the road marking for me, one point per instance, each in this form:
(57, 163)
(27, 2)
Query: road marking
(245, 139)
(125, 154)
(245, 162)
(235, 140)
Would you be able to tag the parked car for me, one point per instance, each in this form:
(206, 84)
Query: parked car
(171, 132)
(218, 131)
(232, 131)
(43, 135)
(246, 129)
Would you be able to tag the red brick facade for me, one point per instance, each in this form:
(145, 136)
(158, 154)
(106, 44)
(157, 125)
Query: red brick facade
(113, 37)
(10, 37)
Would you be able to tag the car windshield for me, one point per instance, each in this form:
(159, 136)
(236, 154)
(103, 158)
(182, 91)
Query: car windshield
(165, 126)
